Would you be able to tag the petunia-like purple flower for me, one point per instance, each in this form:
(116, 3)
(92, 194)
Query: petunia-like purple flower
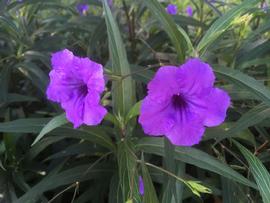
(82, 8)
(182, 101)
(265, 7)
(189, 10)
(172, 9)
(110, 2)
(141, 185)
(76, 83)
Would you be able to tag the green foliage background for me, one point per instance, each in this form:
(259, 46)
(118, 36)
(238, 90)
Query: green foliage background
(43, 159)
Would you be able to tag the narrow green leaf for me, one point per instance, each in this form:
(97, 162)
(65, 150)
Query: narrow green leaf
(195, 157)
(69, 176)
(134, 111)
(149, 189)
(128, 173)
(251, 118)
(30, 125)
(122, 90)
(259, 172)
(242, 80)
(232, 192)
(177, 35)
(54, 123)
(223, 23)
(169, 193)
(35, 125)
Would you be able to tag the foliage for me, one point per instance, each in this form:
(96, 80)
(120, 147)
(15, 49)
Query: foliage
(43, 159)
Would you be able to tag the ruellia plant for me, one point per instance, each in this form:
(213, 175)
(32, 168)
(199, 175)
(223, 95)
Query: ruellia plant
(134, 101)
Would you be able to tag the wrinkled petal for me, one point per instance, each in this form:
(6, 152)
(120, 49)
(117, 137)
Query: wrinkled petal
(195, 77)
(155, 118)
(62, 59)
(93, 113)
(62, 85)
(90, 72)
(218, 103)
(74, 109)
(164, 84)
(187, 131)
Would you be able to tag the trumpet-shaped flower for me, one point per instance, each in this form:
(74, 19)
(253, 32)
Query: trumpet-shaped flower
(182, 101)
(141, 186)
(82, 8)
(76, 83)
(172, 9)
(189, 10)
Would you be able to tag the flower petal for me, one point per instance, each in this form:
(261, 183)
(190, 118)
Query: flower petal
(218, 102)
(187, 131)
(93, 113)
(62, 85)
(156, 118)
(62, 59)
(90, 72)
(164, 84)
(195, 77)
(74, 109)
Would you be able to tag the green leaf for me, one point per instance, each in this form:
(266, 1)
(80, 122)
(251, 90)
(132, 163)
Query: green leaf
(150, 193)
(223, 23)
(69, 176)
(169, 193)
(30, 125)
(123, 90)
(134, 111)
(128, 173)
(251, 118)
(242, 80)
(13, 97)
(259, 172)
(232, 192)
(35, 125)
(178, 36)
(195, 157)
(10, 27)
(54, 123)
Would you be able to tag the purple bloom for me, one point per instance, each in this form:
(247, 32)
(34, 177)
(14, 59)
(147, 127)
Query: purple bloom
(189, 10)
(265, 7)
(82, 8)
(110, 2)
(77, 83)
(141, 185)
(171, 9)
(181, 101)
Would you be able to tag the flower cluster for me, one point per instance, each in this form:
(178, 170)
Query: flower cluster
(173, 10)
(181, 101)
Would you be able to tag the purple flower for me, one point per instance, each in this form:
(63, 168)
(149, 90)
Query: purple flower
(265, 7)
(189, 10)
(141, 185)
(77, 83)
(110, 2)
(181, 101)
(171, 9)
(82, 8)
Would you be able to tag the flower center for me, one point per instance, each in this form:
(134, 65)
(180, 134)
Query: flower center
(178, 101)
(84, 90)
